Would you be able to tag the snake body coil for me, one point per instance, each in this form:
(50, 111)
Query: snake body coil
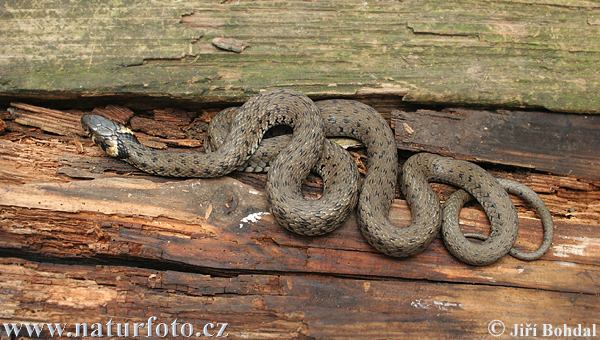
(459, 245)
(348, 118)
(236, 143)
(288, 169)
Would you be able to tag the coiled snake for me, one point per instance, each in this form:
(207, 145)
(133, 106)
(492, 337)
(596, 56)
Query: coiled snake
(236, 140)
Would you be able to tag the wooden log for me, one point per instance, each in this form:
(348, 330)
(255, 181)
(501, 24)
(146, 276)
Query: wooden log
(87, 238)
(225, 225)
(278, 306)
(555, 143)
(201, 250)
(468, 52)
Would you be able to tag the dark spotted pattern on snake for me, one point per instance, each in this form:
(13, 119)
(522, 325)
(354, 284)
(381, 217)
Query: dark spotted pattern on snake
(288, 169)
(233, 149)
(347, 118)
(470, 252)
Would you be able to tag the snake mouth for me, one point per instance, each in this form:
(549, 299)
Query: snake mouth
(107, 134)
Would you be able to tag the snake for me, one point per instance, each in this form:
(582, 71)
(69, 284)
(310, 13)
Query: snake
(349, 118)
(458, 244)
(308, 150)
(339, 118)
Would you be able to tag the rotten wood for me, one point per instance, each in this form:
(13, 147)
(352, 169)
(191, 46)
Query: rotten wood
(61, 198)
(123, 217)
(277, 306)
(555, 143)
(166, 123)
(168, 129)
(120, 114)
(54, 121)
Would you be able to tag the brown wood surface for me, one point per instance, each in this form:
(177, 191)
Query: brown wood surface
(277, 305)
(85, 236)
(556, 143)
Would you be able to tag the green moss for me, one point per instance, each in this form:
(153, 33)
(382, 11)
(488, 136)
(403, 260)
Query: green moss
(467, 52)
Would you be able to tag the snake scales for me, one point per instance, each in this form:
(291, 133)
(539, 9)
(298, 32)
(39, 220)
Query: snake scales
(236, 143)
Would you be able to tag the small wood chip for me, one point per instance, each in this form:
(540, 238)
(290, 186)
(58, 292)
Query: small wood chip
(37, 109)
(79, 146)
(84, 166)
(408, 129)
(230, 44)
(156, 128)
(5, 115)
(120, 114)
(54, 121)
(2, 126)
(361, 161)
(347, 143)
(208, 212)
(174, 116)
(184, 142)
(162, 143)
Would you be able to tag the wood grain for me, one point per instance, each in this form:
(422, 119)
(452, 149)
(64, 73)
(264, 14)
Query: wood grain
(510, 53)
(277, 306)
(555, 143)
(86, 236)
(225, 225)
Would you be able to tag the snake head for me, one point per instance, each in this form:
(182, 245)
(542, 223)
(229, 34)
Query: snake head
(109, 135)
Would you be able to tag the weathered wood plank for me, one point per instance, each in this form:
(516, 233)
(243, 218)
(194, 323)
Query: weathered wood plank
(555, 143)
(329, 287)
(278, 306)
(225, 225)
(473, 52)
